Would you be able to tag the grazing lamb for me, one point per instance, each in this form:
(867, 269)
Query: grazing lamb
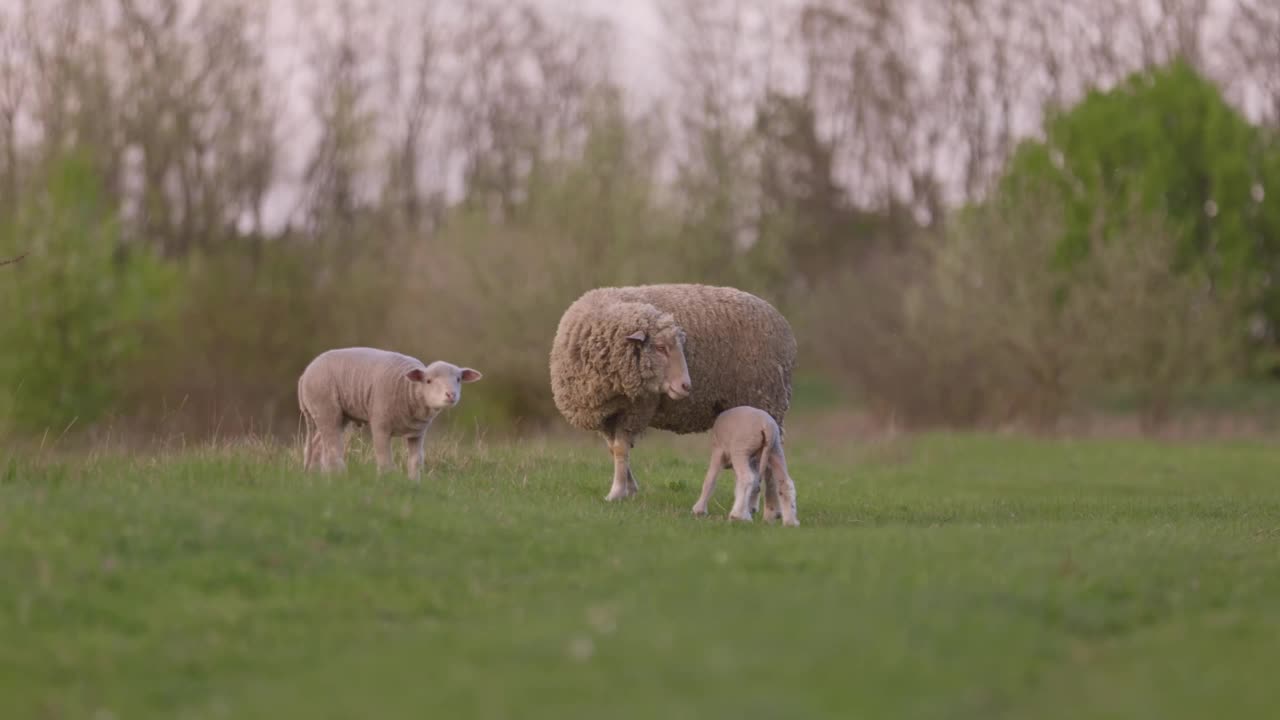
(396, 395)
(748, 440)
(671, 357)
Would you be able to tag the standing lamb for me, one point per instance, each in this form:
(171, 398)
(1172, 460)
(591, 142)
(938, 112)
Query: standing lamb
(748, 440)
(396, 395)
(671, 357)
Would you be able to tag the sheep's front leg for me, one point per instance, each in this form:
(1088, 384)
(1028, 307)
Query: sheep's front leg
(745, 487)
(415, 444)
(381, 447)
(624, 483)
(709, 483)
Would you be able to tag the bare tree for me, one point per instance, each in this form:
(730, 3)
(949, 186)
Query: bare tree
(874, 98)
(71, 89)
(719, 60)
(1251, 63)
(520, 96)
(196, 111)
(341, 105)
(13, 93)
(415, 101)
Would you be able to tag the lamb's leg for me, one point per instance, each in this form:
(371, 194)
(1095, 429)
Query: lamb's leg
(415, 444)
(709, 483)
(745, 480)
(330, 450)
(310, 441)
(769, 476)
(624, 483)
(761, 475)
(785, 488)
(317, 449)
(381, 447)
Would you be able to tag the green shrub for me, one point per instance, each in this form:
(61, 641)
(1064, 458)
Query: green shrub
(1167, 143)
(78, 309)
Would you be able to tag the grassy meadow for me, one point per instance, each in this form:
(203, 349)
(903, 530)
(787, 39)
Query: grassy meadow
(933, 576)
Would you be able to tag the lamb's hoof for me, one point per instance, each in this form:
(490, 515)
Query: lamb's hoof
(740, 518)
(700, 512)
(616, 496)
(791, 523)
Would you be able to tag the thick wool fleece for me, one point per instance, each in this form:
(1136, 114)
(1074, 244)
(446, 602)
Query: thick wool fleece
(366, 385)
(739, 349)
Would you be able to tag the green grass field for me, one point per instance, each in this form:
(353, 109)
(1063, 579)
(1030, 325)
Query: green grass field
(933, 577)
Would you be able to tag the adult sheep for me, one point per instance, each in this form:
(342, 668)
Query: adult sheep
(671, 357)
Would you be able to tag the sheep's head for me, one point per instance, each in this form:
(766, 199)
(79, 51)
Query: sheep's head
(662, 361)
(439, 386)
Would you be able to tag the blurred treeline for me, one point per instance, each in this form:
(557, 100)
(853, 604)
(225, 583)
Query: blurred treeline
(975, 211)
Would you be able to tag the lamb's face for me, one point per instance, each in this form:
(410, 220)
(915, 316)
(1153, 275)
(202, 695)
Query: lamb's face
(663, 354)
(440, 385)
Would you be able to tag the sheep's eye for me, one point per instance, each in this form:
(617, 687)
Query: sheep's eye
(428, 381)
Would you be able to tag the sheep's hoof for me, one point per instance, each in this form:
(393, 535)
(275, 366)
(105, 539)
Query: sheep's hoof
(740, 518)
(700, 512)
(791, 523)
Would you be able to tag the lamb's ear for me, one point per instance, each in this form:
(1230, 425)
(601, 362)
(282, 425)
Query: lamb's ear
(638, 336)
(416, 375)
(470, 376)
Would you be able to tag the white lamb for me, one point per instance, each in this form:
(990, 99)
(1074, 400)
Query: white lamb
(748, 440)
(396, 395)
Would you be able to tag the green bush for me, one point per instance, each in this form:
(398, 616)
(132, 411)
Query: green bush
(980, 326)
(78, 309)
(1166, 142)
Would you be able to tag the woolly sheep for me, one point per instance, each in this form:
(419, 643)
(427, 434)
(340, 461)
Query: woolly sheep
(671, 357)
(396, 395)
(748, 440)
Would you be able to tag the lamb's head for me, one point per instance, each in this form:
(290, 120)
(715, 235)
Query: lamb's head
(439, 386)
(660, 348)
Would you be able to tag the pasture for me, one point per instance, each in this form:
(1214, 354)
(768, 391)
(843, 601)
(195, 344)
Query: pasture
(935, 576)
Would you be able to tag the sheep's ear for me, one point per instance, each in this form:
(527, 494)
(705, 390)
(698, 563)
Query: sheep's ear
(416, 375)
(638, 336)
(470, 376)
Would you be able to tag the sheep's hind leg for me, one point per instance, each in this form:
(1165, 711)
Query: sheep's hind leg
(331, 448)
(746, 487)
(310, 441)
(709, 483)
(785, 488)
(769, 478)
